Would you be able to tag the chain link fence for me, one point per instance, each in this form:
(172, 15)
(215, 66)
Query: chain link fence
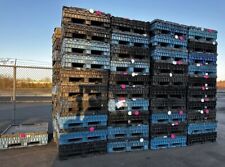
(25, 94)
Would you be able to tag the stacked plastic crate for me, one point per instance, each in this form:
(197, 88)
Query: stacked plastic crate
(81, 119)
(202, 85)
(168, 45)
(56, 60)
(128, 127)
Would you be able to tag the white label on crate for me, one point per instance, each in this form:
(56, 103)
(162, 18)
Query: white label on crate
(145, 35)
(129, 113)
(174, 62)
(202, 29)
(202, 100)
(164, 136)
(176, 36)
(134, 86)
(206, 88)
(173, 124)
(202, 112)
(121, 103)
(206, 63)
(206, 96)
(82, 117)
(91, 10)
(132, 60)
(129, 121)
(134, 99)
(214, 43)
(198, 64)
(169, 112)
(141, 140)
(171, 74)
(134, 74)
(206, 73)
(206, 85)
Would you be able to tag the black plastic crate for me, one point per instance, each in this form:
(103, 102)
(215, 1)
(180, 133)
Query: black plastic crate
(194, 46)
(67, 150)
(201, 93)
(165, 92)
(168, 68)
(202, 138)
(122, 118)
(116, 79)
(198, 105)
(127, 25)
(164, 104)
(80, 106)
(85, 32)
(86, 76)
(80, 16)
(128, 52)
(199, 82)
(160, 80)
(129, 92)
(198, 116)
(167, 129)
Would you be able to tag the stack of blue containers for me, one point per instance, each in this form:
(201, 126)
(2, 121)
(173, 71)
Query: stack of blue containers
(81, 114)
(128, 128)
(202, 85)
(168, 44)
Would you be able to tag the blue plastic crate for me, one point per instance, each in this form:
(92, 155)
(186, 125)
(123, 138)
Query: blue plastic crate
(87, 61)
(168, 26)
(128, 132)
(128, 104)
(68, 44)
(130, 39)
(69, 122)
(202, 33)
(168, 39)
(202, 58)
(167, 142)
(199, 128)
(125, 146)
(130, 67)
(137, 131)
(173, 54)
(202, 68)
(80, 137)
(165, 118)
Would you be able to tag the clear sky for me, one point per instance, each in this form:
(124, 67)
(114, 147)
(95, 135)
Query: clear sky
(26, 26)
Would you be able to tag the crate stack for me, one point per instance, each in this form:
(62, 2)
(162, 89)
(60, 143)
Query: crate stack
(81, 114)
(128, 124)
(202, 72)
(168, 45)
(56, 60)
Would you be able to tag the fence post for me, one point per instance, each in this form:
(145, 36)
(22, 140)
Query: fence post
(14, 92)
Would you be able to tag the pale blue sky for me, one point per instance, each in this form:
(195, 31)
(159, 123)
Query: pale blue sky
(27, 25)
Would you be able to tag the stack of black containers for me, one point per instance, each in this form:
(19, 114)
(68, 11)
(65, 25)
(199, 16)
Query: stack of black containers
(80, 120)
(168, 44)
(202, 72)
(128, 127)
